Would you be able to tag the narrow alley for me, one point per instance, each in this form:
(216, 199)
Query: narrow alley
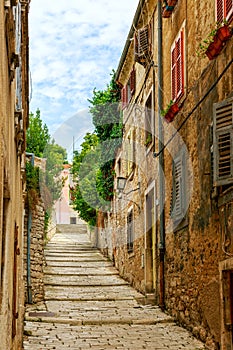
(88, 306)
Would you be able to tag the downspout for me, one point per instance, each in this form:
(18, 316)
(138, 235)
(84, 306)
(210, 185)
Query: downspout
(161, 161)
(29, 226)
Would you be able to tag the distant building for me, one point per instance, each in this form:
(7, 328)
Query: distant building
(65, 214)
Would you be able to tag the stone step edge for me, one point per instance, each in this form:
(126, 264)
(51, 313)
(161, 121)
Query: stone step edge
(47, 273)
(89, 300)
(70, 285)
(93, 322)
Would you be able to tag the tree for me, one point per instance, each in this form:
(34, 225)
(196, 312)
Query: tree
(39, 142)
(85, 167)
(108, 127)
(37, 135)
(93, 167)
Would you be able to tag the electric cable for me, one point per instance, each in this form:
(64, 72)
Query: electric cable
(194, 109)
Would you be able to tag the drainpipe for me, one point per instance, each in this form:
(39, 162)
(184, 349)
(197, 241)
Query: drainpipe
(161, 160)
(29, 226)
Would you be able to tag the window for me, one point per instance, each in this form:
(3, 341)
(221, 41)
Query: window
(149, 121)
(73, 220)
(143, 45)
(130, 234)
(224, 10)
(223, 142)
(128, 90)
(177, 67)
(178, 204)
(130, 150)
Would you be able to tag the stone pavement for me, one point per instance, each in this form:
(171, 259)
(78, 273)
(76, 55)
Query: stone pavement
(88, 306)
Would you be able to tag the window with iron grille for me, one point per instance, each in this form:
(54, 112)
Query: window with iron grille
(223, 142)
(177, 67)
(224, 10)
(130, 233)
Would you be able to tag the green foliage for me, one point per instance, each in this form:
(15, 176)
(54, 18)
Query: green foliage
(203, 46)
(108, 127)
(37, 135)
(93, 166)
(164, 111)
(45, 183)
(85, 166)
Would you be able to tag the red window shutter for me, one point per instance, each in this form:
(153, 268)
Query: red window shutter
(174, 73)
(180, 65)
(220, 10)
(124, 97)
(177, 67)
(132, 81)
(228, 9)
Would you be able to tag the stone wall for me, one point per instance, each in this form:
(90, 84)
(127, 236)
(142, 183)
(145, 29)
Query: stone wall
(197, 274)
(37, 260)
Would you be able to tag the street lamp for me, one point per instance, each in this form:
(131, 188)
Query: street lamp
(121, 182)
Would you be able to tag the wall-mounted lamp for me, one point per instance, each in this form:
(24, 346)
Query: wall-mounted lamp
(121, 182)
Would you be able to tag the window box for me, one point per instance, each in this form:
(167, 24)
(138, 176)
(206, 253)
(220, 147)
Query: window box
(214, 48)
(171, 2)
(167, 10)
(214, 43)
(171, 111)
(224, 33)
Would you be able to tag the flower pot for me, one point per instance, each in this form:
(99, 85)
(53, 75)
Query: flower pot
(171, 113)
(214, 48)
(167, 11)
(224, 33)
(171, 2)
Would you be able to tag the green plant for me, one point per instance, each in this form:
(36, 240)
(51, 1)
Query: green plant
(148, 139)
(203, 46)
(164, 111)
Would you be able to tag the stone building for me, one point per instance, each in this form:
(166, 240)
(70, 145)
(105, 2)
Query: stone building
(13, 122)
(171, 217)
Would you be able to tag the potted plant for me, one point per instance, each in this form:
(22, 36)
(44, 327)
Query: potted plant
(170, 112)
(213, 44)
(224, 33)
(168, 7)
(148, 139)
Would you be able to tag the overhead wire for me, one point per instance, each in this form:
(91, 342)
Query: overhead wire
(194, 108)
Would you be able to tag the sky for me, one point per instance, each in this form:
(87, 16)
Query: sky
(74, 45)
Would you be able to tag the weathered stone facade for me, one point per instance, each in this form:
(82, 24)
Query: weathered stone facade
(34, 259)
(172, 223)
(13, 123)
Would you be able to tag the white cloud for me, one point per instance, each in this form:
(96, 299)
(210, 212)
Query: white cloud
(73, 48)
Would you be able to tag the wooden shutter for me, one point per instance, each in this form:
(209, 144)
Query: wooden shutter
(124, 96)
(130, 144)
(132, 81)
(224, 10)
(178, 204)
(228, 9)
(130, 231)
(177, 67)
(223, 142)
(219, 10)
(142, 44)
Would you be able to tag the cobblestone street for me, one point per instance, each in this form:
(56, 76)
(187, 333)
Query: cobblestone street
(88, 306)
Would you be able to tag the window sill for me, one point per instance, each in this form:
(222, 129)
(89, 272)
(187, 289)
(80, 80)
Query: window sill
(225, 197)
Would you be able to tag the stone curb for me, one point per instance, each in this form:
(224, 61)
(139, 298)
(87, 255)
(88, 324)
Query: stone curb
(100, 322)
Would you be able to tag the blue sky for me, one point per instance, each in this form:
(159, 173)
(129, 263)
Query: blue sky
(74, 45)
